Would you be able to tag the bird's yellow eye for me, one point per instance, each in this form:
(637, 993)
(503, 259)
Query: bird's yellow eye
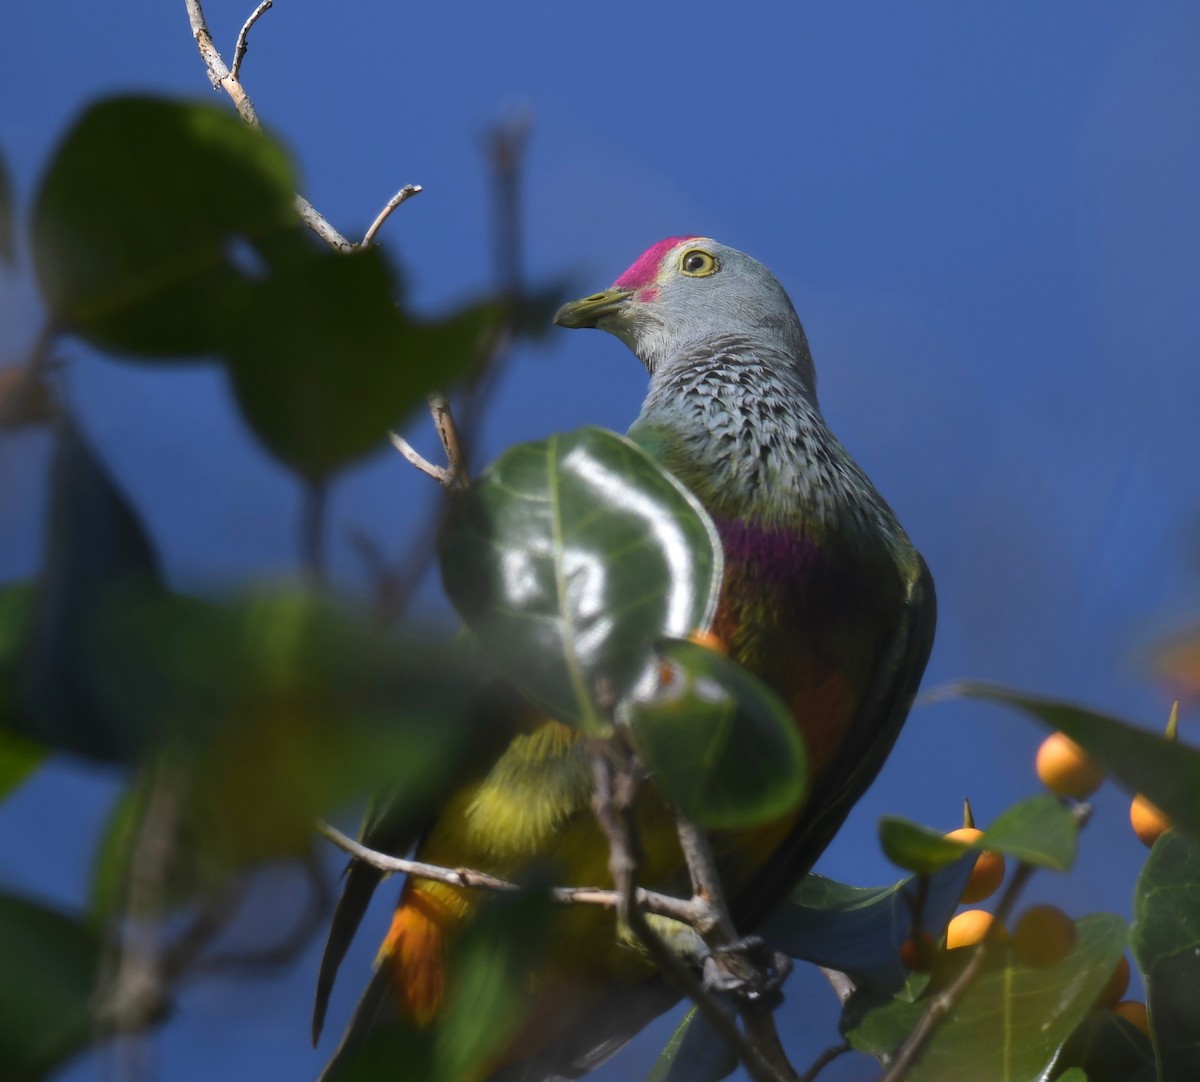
(697, 263)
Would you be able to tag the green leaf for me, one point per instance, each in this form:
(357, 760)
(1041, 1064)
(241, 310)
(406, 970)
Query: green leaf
(696, 1052)
(139, 220)
(859, 930)
(8, 229)
(1166, 942)
(18, 759)
(916, 848)
(323, 363)
(1074, 1074)
(1037, 831)
(569, 558)
(1013, 1018)
(46, 983)
(97, 555)
(719, 741)
(1106, 1048)
(1165, 771)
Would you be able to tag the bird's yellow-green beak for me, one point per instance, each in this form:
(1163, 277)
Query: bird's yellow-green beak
(588, 311)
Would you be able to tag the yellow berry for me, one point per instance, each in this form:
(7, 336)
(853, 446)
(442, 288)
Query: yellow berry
(970, 927)
(988, 873)
(1147, 821)
(1044, 936)
(1134, 1013)
(1117, 985)
(1065, 768)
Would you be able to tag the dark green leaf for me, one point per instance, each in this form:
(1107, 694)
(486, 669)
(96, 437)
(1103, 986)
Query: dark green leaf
(146, 217)
(18, 759)
(8, 230)
(16, 607)
(324, 364)
(569, 558)
(47, 979)
(1167, 772)
(719, 742)
(97, 556)
(1012, 1020)
(1106, 1048)
(696, 1052)
(859, 930)
(1166, 942)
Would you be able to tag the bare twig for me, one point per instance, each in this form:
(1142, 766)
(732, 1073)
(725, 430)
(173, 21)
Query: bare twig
(239, 49)
(439, 473)
(824, 1060)
(404, 194)
(223, 79)
(447, 430)
(612, 806)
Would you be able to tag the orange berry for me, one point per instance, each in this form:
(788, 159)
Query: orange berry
(1116, 987)
(708, 639)
(1147, 821)
(1065, 768)
(1044, 936)
(969, 928)
(988, 873)
(918, 951)
(1134, 1013)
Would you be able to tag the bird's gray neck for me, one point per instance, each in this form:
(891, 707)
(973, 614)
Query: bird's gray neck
(738, 422)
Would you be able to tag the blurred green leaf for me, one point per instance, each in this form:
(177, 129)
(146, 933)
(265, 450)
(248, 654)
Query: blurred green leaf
(287, 707)
(1106, 1048)
(16, 608)
(18, 759)
(323, 363)
(1038, 831)
(1166, 942)
(8, 229)
(47, 979)
(859, 930)
(569, 558)
(1012, 1020)
(696, 1052)
(720, 743)
(1074, 1074)
(1165, 771)
(97, 555)
(150, 220)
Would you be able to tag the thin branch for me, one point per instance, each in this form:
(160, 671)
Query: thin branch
(447, 430)
(824, 1060)
(663, 905)
(403, 195)
(239, 49)
(439, 473)
(223, 79)
(312, 528)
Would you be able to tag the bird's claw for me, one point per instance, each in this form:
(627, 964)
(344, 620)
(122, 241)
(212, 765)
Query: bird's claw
(748, 970)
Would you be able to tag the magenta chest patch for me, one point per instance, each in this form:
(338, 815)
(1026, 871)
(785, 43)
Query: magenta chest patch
(645, 269)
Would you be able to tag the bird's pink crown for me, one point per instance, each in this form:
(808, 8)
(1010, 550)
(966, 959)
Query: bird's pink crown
(645, 269)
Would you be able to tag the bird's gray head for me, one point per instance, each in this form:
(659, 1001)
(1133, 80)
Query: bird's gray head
(685, 291)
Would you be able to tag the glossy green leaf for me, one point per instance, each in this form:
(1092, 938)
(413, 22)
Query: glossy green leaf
(152, 220)
(696, 1052)
(1166, 942)
(569, 558)
(1013, 1018)
(1167, 772)
(97, 555)
(718, 741)
(324, 364)
(47, 980)
(859, 930)
(1106, 1048)
(1037, 831)
(8, 228)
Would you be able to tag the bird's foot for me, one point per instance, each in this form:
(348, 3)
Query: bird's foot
(750, 971)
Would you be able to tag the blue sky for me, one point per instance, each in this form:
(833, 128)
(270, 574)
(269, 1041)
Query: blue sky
(985, 214)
